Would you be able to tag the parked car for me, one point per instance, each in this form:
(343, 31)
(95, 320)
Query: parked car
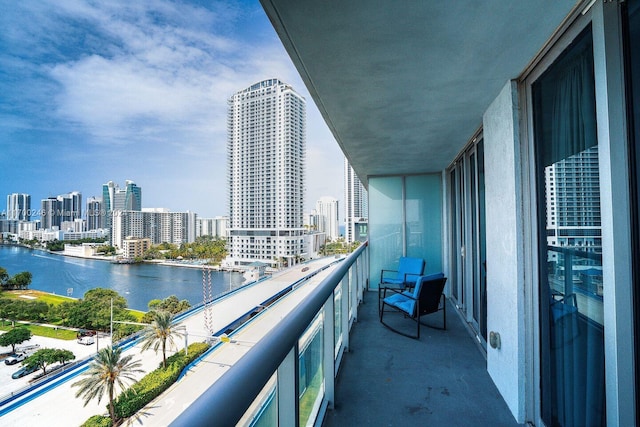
(87, 340)
(85, 333)
(15, 358)
(23, 371)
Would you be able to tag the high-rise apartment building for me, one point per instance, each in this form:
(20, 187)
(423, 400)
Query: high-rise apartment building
(63, 208)
(265, 158)
(216, 227)
(95, 214)
(71, 204)
(572, 186)
(356, 211)
(327, 210)
(115, 198)
(50, 213)
(19, 207)
(159, 225)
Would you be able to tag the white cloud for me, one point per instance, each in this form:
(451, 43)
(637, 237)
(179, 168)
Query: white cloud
(154, 76)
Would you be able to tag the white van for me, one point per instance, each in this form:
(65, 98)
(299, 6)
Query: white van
(86, 340)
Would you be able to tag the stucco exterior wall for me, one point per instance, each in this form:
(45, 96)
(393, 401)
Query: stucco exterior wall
(505, 283)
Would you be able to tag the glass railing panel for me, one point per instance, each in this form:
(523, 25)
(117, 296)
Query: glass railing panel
(263, 412)
(575, 279)
(304, 327)
(337, 324)
(351, 285)
(310, 374)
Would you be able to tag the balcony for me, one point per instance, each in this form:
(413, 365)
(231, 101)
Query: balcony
(385, 379)
(389, 379)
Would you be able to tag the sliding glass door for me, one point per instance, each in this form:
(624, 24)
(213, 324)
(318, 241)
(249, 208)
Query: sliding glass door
(569, 239)
(631, 21)
(468, 253)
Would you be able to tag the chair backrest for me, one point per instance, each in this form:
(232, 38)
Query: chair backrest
(428, 291)
(413, 267)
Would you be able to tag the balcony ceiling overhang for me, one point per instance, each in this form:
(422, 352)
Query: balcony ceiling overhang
(403, 85)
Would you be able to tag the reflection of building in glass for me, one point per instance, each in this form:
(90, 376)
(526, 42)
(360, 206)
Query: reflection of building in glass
(265, 159)
(572, 188)
(572, 193)
(355, 204)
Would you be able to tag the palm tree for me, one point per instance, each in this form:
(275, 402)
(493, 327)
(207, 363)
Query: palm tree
(108, 370)
(159, 332)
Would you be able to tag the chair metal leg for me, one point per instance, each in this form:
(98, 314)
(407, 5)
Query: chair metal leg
(444, 311)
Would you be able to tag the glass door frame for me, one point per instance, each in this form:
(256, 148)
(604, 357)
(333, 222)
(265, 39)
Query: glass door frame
(616, 209)
(468, 269)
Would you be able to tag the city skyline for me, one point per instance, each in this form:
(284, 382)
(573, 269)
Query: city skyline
(138, 91)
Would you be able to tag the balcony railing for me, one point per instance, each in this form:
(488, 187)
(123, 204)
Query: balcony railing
(288, 377)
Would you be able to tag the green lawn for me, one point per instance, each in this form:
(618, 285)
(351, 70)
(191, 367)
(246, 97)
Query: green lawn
(139, 314)
(31, 295)
(44, 331)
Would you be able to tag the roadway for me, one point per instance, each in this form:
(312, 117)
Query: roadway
(57, 406)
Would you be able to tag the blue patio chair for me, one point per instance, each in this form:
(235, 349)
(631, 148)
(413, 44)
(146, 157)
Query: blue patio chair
(427, 297)
(409, 269)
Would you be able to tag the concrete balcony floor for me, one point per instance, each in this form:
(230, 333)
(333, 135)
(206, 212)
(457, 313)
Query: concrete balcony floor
(439, 380)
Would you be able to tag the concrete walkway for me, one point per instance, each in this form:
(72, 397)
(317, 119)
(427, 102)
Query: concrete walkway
(391, 380)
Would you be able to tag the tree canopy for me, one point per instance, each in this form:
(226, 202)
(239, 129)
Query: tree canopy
(94, 310)
(17, 309)
(159, 333)
(19, 281)
(170, 304)
(43, 358)
(15, 336)
(205, 247)
(108, 371)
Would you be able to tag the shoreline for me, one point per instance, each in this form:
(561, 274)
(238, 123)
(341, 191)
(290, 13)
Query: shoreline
(113, 258)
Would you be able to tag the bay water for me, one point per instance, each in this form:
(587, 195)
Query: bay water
(138, 283)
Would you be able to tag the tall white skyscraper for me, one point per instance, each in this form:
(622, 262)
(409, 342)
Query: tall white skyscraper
(327, 210)
(19, 207)
(572, 187)
(356, 211)
(265, 158)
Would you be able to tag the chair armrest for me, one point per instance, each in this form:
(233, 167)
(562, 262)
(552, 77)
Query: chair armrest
(408, 275)
(394, 290)
(382, 274)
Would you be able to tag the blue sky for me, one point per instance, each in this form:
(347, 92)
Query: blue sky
(93, 91)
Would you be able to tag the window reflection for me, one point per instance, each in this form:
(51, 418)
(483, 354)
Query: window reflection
(571, 287)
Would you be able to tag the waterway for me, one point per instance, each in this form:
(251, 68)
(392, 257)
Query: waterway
(138, 283)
